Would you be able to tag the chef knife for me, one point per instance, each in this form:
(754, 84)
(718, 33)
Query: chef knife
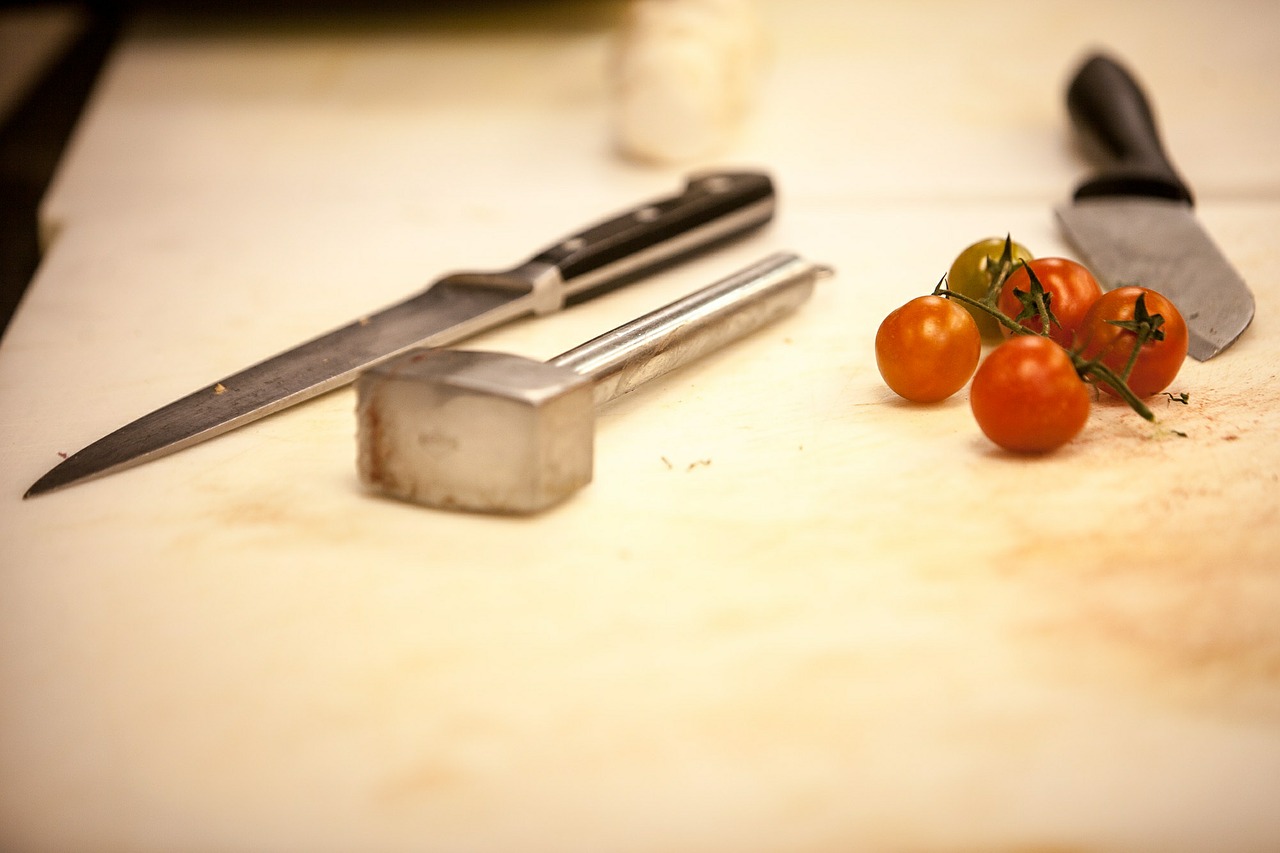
(711, 209)
(1133, 221)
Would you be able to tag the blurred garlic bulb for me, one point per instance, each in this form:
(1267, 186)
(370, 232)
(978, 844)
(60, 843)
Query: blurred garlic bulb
(685, 73)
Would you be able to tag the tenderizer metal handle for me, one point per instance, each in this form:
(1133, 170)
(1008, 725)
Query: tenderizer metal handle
(662, 340)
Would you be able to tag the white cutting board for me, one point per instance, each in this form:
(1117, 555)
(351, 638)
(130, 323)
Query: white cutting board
(792, 613)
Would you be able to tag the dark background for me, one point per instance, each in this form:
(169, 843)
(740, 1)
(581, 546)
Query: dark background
(35, 128)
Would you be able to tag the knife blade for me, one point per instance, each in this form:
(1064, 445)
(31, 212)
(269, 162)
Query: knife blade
(1133, 220)
(711, 209)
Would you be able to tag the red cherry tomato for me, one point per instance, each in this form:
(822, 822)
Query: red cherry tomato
(1158, 360)
(1027, 396)
(1072, 289)
(927, 349)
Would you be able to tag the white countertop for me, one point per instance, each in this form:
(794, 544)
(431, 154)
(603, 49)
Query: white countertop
(791, 612)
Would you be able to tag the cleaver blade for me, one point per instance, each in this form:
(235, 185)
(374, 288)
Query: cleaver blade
(1133, 221)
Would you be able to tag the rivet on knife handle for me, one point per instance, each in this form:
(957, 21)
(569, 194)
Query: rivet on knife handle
(1113, 115)
(710, 209)
(713, 207)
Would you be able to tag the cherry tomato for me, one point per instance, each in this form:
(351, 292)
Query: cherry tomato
(1027, 396)
(1071, 286)
(970, 275)
(927, 349)
(1158, 361)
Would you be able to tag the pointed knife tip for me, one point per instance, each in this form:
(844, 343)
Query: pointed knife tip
(39, 487)
(54, 479)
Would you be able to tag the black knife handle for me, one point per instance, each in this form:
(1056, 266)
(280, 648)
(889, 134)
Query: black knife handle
(711, 209)
(1110, 110)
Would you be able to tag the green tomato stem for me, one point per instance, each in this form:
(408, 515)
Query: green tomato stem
(1042, 311)
(1000, 316)
(1003, 269)
(1141, 341)
(1145, 327)
(1084, 367)
(1105, 374)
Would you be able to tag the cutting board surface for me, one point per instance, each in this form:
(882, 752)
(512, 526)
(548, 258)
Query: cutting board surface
(792, 612)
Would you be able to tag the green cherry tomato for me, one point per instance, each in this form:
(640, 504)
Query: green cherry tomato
(970, 275)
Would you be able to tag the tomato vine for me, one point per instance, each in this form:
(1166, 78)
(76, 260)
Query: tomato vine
(1061, 334)
(1088, 369)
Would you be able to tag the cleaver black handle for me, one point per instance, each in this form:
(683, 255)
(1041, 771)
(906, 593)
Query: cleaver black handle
(1112, 114)
(711, 209)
